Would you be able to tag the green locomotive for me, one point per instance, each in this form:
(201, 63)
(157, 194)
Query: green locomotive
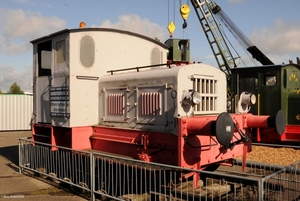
(277, 87)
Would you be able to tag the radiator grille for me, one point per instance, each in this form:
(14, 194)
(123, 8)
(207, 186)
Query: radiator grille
(116, 104)
(151, 104)
(207, 89)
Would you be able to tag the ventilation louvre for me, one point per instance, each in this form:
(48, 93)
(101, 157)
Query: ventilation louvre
(151, 104)
(207, 89)
(116, 104)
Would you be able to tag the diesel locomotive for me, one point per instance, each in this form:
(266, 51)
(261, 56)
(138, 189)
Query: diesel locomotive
(123, 93)
(276, 88)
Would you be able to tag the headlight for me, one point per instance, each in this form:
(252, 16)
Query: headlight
(190, 97)
(245, 102)
(248, 98)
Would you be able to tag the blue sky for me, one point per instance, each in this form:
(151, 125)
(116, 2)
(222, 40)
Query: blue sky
(273, 26)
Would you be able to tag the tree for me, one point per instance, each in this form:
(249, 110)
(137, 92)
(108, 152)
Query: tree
(1, 92)
(15, 89)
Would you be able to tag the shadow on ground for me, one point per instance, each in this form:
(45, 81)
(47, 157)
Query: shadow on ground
(11, 153)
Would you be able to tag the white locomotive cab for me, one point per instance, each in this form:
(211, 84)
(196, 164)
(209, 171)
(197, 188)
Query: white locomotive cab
(68, 65)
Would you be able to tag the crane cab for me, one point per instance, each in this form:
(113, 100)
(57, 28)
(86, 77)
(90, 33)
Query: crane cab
(179, 50)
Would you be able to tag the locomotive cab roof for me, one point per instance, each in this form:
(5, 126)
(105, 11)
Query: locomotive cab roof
(261, 68)
(98, 30)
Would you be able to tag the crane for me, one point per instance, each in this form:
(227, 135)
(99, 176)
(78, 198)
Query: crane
(238, 34)
(206, 11)
(214, 36)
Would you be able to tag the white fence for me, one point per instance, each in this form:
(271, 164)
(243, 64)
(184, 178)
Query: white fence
(15, 112)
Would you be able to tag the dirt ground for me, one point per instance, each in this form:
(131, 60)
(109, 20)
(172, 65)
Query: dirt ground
(274, 155)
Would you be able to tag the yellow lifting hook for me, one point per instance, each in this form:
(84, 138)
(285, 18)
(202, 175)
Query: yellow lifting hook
(171, 28)
(184, 12)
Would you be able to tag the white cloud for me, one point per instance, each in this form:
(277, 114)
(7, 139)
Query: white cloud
(283, 37)
(136, 24)
(9, 75)
(18, 27)
(281, 41)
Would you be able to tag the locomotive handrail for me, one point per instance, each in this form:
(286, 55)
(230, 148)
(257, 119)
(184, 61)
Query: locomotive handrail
(140, 67)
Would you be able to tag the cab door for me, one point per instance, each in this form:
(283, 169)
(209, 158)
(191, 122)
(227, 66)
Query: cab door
(42, 81)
